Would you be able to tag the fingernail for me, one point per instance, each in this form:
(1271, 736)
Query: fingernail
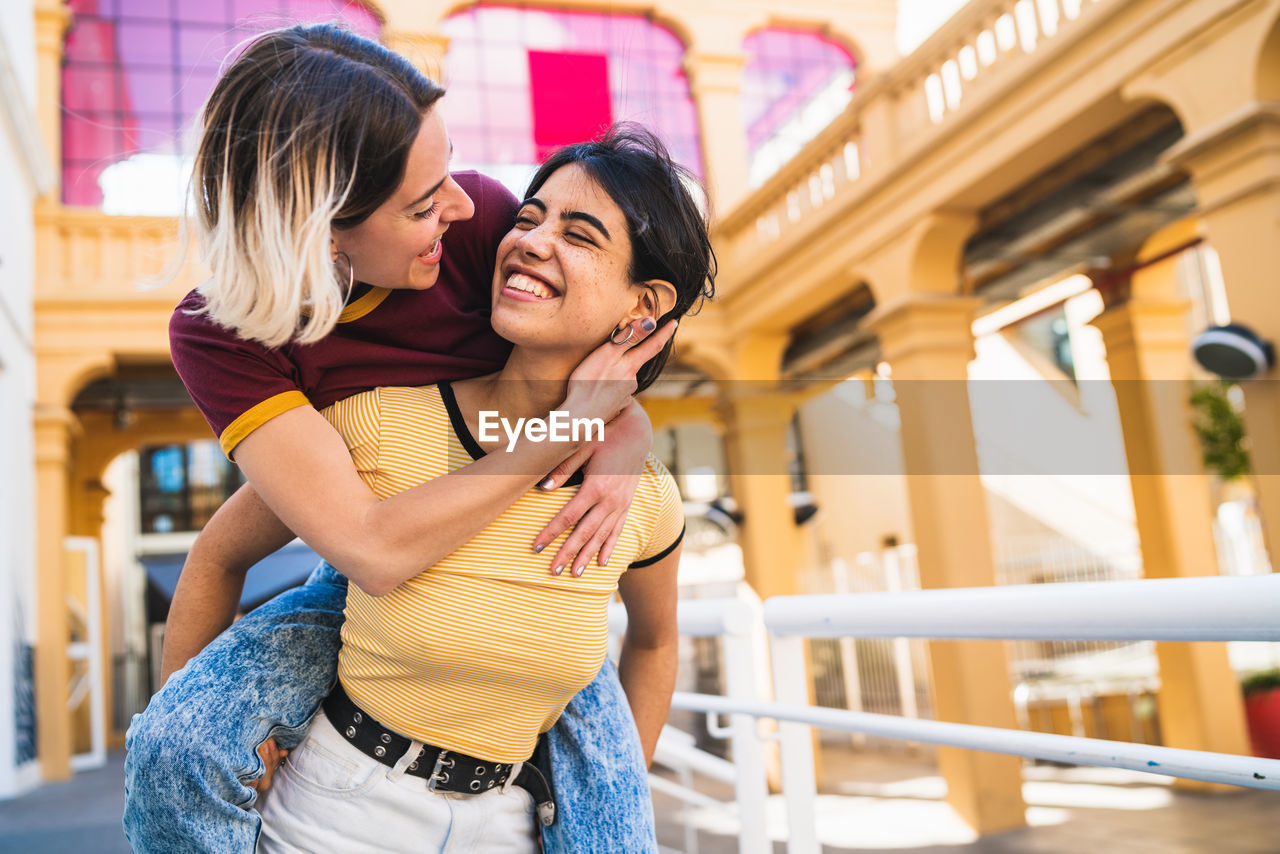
(538, 547)
(577, 571)
(555, 570)
(648, 325)
(549, 483)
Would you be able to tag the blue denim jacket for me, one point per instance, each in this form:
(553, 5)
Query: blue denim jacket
(192, 749)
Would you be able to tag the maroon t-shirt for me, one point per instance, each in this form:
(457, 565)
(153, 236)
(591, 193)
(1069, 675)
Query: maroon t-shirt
(384, 338)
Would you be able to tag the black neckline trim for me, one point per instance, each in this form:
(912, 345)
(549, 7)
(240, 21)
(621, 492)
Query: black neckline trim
(459, 423)
(463, 432)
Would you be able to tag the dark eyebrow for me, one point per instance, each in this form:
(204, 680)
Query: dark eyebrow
(435, 189)
(583, 216)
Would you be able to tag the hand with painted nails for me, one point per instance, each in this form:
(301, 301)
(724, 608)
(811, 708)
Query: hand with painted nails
(598, 511)
(612, 467)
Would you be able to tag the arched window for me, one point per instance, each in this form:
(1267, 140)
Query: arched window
(794, 83)
(523, 81)
(136, 73)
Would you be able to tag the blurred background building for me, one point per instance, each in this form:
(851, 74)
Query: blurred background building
(959, 281)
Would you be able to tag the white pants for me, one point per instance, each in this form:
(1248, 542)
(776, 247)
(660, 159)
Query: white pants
(330, 797)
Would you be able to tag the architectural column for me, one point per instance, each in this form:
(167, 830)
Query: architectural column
(715, 82)
(1235, 169)
(1149, 358)
(928, 343)
(54, 433)
(755, 417)
(52, 21)
(755, 430)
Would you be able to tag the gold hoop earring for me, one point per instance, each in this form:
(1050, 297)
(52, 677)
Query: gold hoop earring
(613, 338)
(351, 271)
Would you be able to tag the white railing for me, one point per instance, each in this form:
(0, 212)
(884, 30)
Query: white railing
(736, 623)
(1185, 609)
(87, 682)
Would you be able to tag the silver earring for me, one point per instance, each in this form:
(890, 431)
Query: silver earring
(351, 271)
(613, 338)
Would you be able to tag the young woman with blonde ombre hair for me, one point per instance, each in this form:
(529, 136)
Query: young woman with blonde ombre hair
(345, 256)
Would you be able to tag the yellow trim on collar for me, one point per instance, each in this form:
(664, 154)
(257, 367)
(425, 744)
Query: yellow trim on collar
(358, 309)
(364, 305)
(258, 415)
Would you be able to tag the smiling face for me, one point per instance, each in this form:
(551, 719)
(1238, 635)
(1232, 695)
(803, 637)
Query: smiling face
(399, 245)
(562, 278)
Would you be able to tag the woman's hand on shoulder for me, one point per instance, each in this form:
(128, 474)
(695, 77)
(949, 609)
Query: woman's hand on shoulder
(598, 512)
(605, 382)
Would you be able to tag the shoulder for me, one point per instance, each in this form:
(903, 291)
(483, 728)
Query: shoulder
(192, 329)
(657, 492)
(491, 190)
(495, 204)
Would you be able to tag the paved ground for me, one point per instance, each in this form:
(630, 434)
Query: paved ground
(878, 804)
(870, 805)
(81, 816)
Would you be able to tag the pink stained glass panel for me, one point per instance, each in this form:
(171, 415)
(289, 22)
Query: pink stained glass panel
(158, 92)
(785, 69)
(85, 90)
(488, 48)
(93, 42)
(159, 10)
(146, 42)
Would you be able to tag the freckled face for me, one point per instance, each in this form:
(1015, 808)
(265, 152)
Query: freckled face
(561, 279)
(400, 245)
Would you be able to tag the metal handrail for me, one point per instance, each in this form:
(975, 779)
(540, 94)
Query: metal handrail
(1237, 608)
(1219, 608)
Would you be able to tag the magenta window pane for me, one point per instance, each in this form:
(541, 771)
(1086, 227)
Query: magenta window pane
(200, 11)
(84, 90)
(207, 48)
(489, 48)
(194, 90)
(138, 71)
(92, 41)
(92, 7)
(153, 92)
(157, 9)
(86, 134)
(146, 42)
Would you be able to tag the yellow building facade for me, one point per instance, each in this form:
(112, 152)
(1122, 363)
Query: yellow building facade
(941, 192)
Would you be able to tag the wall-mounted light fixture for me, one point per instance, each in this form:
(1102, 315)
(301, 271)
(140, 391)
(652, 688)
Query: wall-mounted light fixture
(1233, 351)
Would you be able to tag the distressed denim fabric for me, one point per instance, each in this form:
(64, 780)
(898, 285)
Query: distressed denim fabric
(191, 750)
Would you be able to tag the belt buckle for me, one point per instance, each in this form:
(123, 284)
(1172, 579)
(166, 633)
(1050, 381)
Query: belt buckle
(438, 775)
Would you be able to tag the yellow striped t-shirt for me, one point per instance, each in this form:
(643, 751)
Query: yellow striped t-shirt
(481, 652)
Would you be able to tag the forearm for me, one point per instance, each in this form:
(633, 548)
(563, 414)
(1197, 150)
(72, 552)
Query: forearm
(648, 676)
(242, 532)
(380, 544)
(204, 604)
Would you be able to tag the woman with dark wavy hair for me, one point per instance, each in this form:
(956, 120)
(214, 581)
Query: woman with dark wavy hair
(447, 683)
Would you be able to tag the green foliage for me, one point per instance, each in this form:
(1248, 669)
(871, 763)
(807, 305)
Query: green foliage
(1221, 431)
(1261, 682)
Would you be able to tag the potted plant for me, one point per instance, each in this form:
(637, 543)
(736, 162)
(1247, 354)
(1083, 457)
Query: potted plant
(1262, 712)
(1220, 428)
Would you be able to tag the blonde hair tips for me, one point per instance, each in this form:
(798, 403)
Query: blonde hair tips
(308, 130)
